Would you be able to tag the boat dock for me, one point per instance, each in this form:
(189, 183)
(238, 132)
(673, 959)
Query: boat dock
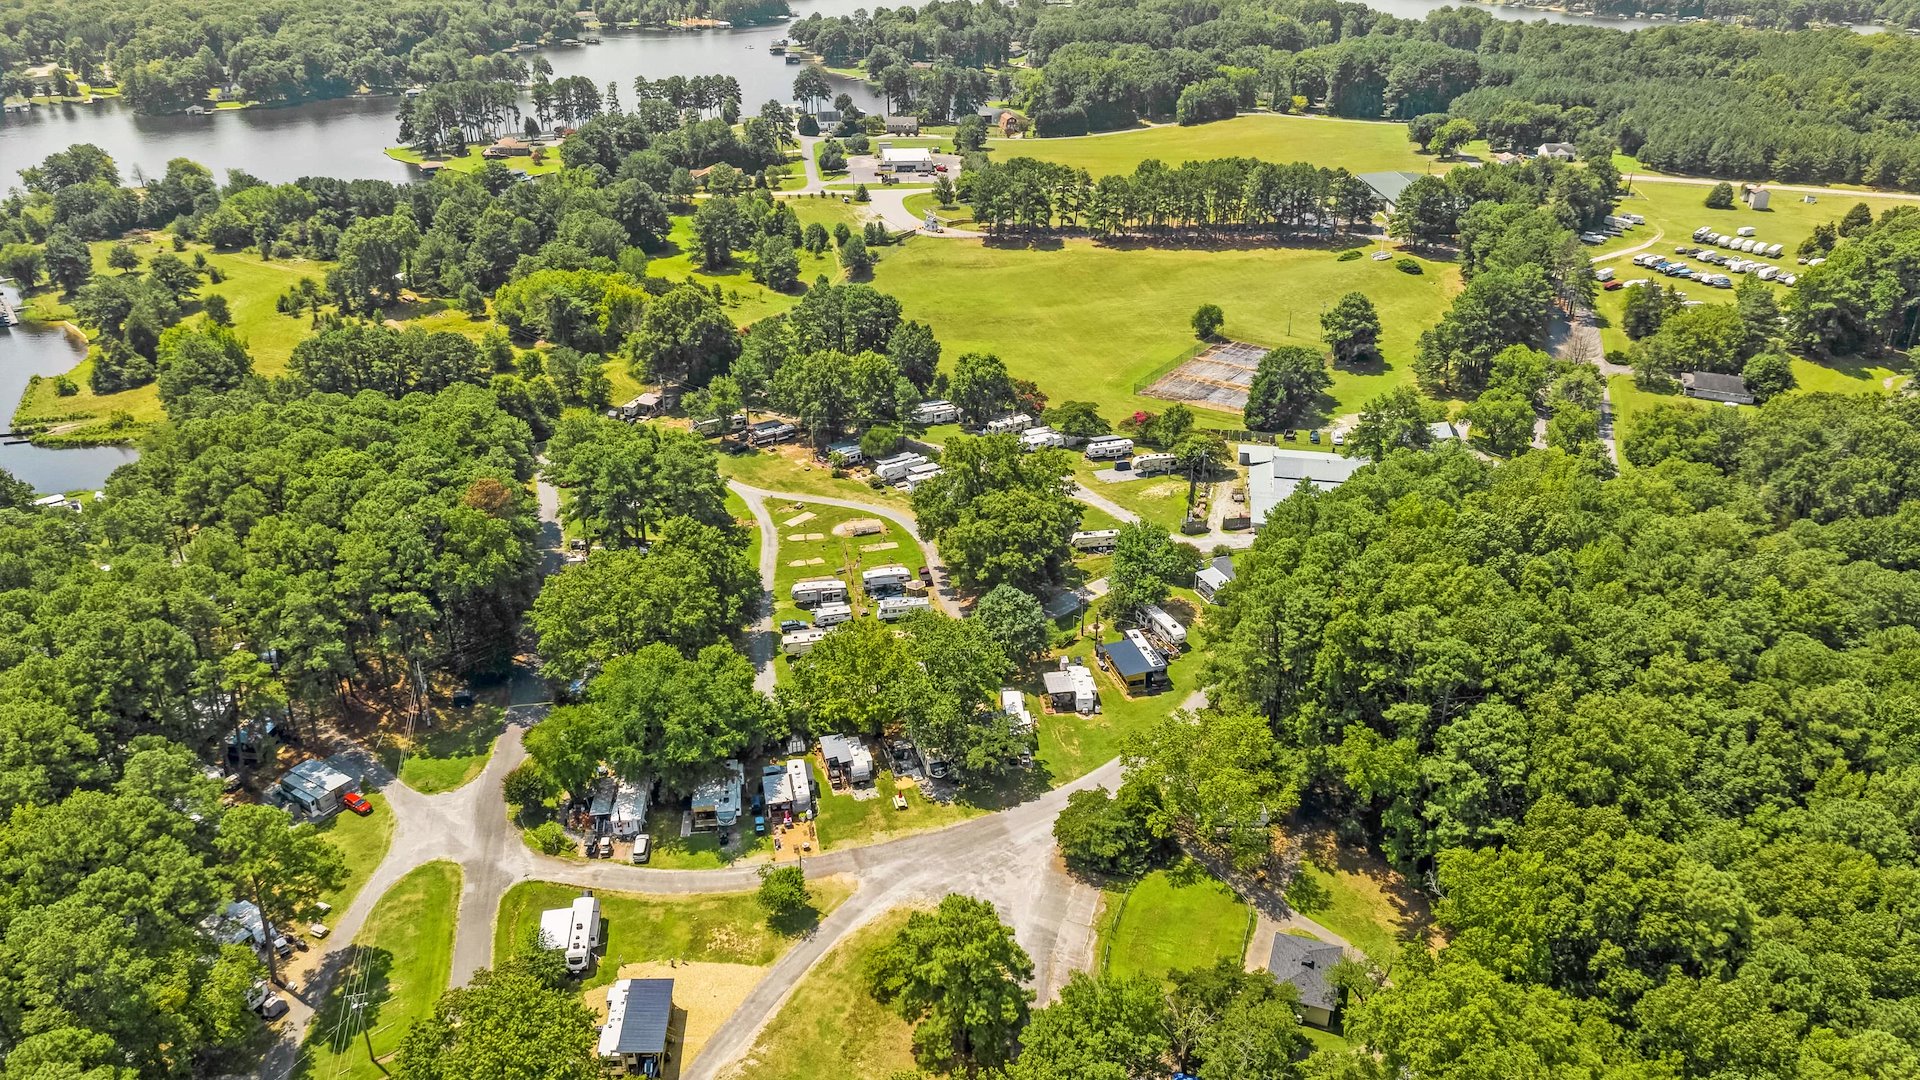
(7, 317)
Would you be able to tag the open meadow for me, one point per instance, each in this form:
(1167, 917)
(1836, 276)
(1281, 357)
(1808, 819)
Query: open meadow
(1087, 321)
(1356, 145)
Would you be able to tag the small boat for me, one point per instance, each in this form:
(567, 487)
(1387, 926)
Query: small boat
(778, 47)
(793, 59)
(593, 41)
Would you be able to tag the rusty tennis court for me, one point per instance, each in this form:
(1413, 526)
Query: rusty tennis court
(1217, 378)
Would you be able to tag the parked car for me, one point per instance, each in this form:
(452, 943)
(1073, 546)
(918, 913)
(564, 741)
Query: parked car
(357, 803)
(926, 574)
(1288, 434)
(788, 626)
(604, 847)
(1612, 285)
(1314, 436)
(642, 848)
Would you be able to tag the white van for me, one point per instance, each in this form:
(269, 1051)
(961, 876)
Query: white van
(1153, 464)
(1164, 626)
(832, 614)
(1109, 448)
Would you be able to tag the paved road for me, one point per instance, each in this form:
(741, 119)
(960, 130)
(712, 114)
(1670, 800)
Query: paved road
(761, 640)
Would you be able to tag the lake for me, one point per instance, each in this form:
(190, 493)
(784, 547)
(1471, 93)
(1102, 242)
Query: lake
(37, 349)
(346, 138)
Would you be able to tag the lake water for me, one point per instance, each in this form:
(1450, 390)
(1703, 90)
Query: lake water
(37, 349)
(346, 138)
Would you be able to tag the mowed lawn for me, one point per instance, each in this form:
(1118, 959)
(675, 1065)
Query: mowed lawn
(363, 842)
(820, 543)
(1086, 321)
(725, 928)
(251, 286)
(1171, 920)
(1355, 145)
(1357, 896)
(405, 951)
(831, 1028)
(448, 756)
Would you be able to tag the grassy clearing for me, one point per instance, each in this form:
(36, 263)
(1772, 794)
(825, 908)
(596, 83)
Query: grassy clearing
(406, 950)
(1357, 145)
(447, 757)
(252, 286)
(1355, 895)
(958, 215)
(831, 1028)
(1159, 499)
(843, 821)
(1171, 920)
(724, 928)
(471, 161)
(1114, 314)
(363, 841)
(791, 470)
(839, 553)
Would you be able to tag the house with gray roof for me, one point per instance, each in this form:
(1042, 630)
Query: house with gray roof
(1303, 963)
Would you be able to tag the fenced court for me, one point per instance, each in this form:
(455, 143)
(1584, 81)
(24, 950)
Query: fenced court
(1218, 377)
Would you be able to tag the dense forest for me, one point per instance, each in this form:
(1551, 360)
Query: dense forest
(1652, 737)
(1830, 106)
(166, 55)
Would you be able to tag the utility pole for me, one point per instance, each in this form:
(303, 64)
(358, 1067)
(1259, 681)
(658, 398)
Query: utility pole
(359, 1002)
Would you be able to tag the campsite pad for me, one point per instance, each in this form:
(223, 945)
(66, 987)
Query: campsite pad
(888, 546)
(799, 519)
(800, 538)
(860, 527)
(704, 995)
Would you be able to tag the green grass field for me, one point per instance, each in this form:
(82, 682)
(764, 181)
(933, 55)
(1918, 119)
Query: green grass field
(958, 215)
(842, 556)
(1357, 145)
(831, 1028)
(701, 850)
(1158, 499)
(1171, 920)
(1358, 897)
(843, 821)
(364, 842)
(1086, 321)
(797, 473)
(448, 756)
(251, 287)
(471, 161)
(727, 928)
(406, 949)
(1678, 209)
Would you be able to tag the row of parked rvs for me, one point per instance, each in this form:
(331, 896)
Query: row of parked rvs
(1744, 242)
